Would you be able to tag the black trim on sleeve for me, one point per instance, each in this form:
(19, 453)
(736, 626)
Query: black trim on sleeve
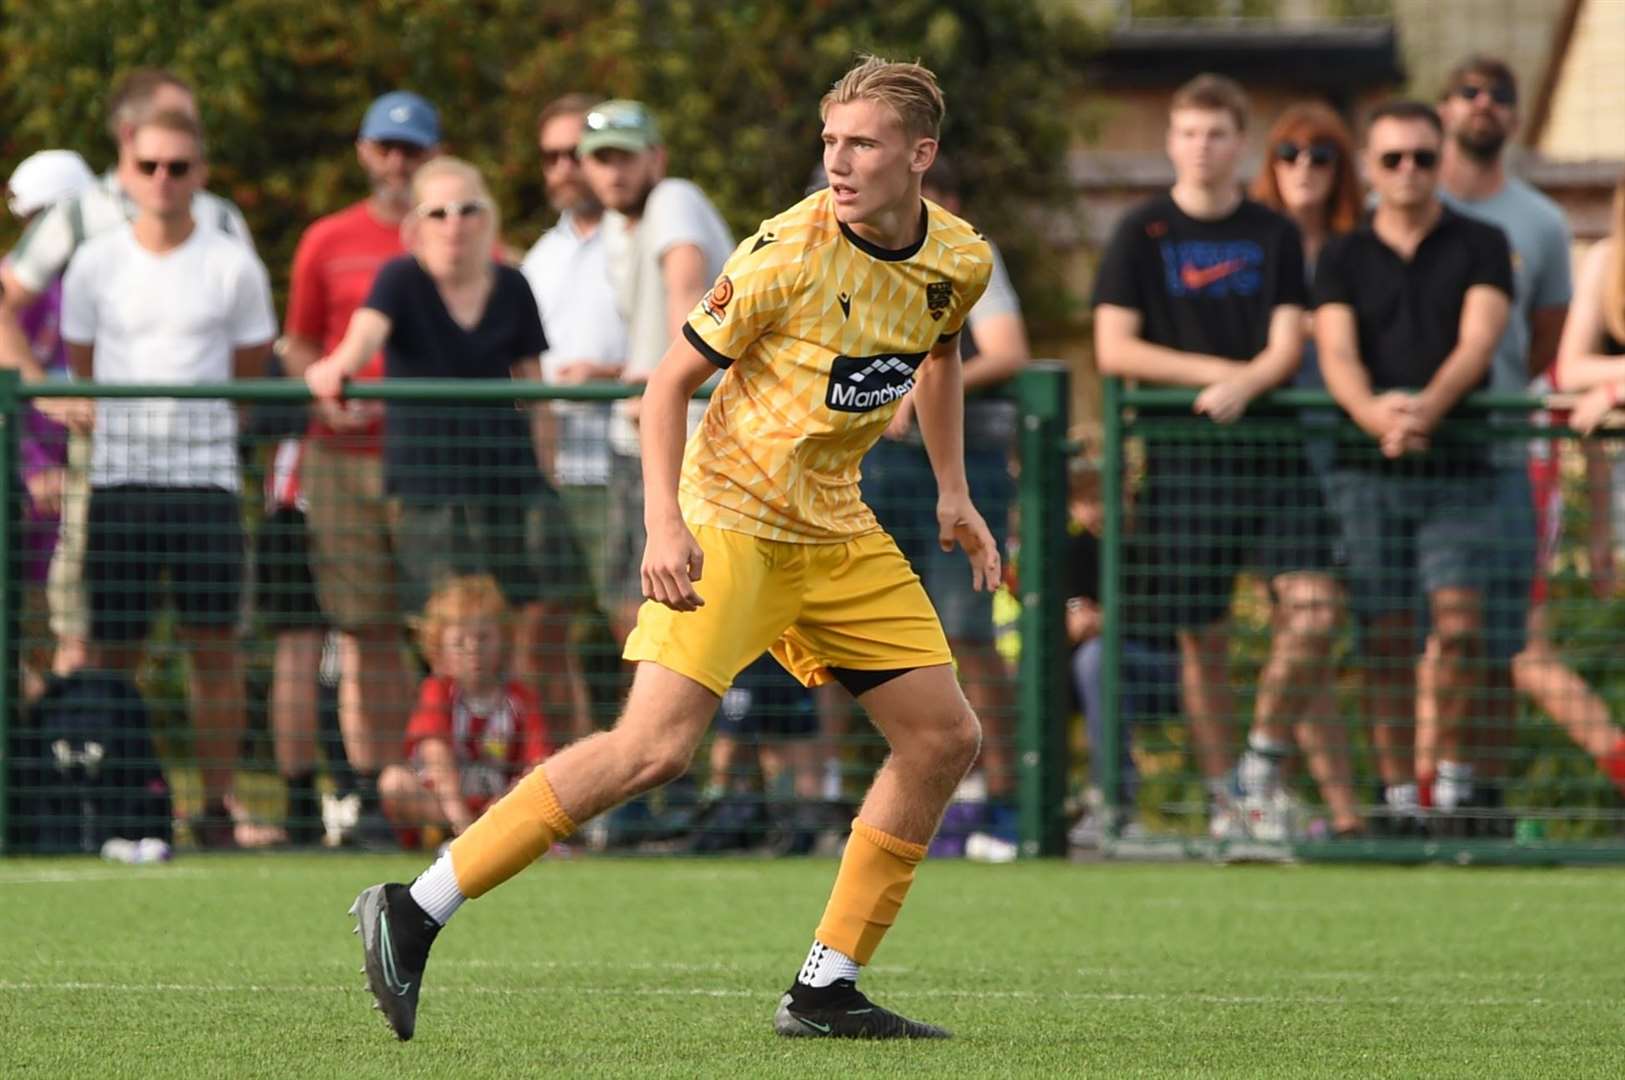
(945, 338)
(874, 250)
(705, 349)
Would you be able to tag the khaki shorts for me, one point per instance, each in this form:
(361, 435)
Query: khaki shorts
(350, 549)
(65, 581)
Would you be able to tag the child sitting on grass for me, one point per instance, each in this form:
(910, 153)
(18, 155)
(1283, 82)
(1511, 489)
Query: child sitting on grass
(474, 731)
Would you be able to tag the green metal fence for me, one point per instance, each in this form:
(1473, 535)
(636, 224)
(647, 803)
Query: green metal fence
(578, 672)
(1424, 675)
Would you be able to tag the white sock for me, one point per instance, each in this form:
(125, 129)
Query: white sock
(1259, 771)
(832, 779)
(1402, 797)
(1452, 785)
(436, 891)
(824, 965)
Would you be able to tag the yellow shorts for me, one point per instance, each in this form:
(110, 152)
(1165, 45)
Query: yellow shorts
(853, 604)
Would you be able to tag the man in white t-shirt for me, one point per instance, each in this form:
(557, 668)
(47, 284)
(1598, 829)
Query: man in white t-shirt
(40, 257)
(166, 300)
(665, 244)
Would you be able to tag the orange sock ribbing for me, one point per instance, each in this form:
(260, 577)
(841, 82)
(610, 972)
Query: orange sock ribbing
(875, 874)
(509, 836)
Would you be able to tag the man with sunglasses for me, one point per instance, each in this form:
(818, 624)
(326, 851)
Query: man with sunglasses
(341, 468)
(1410, 308)
(1479, 111)
(38, 260)
(166, 300)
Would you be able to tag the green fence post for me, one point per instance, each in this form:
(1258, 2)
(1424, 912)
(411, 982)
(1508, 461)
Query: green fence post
(1041, 740)
(1111, 597)
(10, 565)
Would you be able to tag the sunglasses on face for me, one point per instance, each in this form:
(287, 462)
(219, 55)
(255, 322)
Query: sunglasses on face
(176, 169)
(1500, 93)
(454, 210)
(1320, 154)
(399, 146)
(1424, 159)
(551, 158)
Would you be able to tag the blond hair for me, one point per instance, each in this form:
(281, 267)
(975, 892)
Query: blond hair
(446, 165)
(473, 596)
(1613, 288)
(910, 90)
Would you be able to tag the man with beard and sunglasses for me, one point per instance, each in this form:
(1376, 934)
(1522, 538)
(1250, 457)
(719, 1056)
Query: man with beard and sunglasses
(341, 470)
(1479, 110)
(1410, 309)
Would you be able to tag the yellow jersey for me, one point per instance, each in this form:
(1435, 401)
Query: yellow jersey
(820, 332)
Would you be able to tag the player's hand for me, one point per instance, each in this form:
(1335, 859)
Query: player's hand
(326, 379)
(902, 420)
(958, 522)
(1225, 402)
(76, 414)
(672, 564)
(1597, 403)
(45, 490)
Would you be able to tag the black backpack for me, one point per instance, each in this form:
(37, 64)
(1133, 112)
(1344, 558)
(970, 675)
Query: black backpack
(84, 769)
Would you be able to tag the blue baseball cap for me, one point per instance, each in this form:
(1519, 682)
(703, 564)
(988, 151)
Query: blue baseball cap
(402, 116)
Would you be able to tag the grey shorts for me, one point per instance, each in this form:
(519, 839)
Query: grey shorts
(1407, 536)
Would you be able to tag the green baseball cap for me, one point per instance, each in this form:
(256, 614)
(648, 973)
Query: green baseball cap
(619, 125)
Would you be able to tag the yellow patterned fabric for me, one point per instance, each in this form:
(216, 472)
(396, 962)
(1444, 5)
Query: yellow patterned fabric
(820, 332)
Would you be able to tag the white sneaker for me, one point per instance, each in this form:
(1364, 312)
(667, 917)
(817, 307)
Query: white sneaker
(1272, 818)
(339, 817)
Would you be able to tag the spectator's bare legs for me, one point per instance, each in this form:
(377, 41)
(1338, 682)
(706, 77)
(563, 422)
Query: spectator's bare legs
(375, 697)
(1539, 673)
(1296, 685)
(215, 690)
(798, 758)
(834, 706)
(295, 667)
(986, 679)
(1391, 697)
(1205, 684)
(545, 659)
(1458, 625)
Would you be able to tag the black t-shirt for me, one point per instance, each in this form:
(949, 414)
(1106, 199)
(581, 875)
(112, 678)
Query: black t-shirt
(1203, 286)
(1409, 313)
(1143, 620)
(440, 450)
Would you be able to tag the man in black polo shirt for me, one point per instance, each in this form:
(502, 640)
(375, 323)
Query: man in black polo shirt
(1410, 309)
(1203, 288)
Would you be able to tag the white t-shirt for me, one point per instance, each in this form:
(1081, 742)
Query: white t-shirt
(172, 318)
(569, 274)
(676, 213)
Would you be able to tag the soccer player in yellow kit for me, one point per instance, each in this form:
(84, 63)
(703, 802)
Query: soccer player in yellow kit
(758, 539)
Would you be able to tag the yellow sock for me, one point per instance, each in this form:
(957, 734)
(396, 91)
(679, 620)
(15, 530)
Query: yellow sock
(511, 834)
(875, 874)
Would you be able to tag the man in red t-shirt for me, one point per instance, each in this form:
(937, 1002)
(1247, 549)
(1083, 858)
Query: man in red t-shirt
(354, 566)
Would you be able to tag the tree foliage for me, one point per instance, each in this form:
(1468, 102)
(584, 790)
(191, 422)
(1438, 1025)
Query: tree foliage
(283, 84)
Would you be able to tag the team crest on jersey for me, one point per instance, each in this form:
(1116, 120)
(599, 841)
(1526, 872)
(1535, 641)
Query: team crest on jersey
(861, 383)
(938, 295)
(716, 301)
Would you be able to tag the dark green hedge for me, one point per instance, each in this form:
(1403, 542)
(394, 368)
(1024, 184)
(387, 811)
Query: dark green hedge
(284, 82)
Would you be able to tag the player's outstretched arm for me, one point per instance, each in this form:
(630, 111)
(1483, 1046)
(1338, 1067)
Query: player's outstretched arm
(939, 402)
(672, 560)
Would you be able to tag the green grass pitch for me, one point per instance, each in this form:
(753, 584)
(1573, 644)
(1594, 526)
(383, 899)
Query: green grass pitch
(245, 967)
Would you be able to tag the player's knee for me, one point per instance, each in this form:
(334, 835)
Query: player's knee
(957, 743)
(661, 761)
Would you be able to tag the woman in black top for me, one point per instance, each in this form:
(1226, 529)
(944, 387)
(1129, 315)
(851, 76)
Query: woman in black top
(467, 494)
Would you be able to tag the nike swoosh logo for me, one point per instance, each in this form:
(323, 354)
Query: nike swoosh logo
(815, 1025)
(846, 304)
(387, 948)
(1200, 277)
(858, 1012)
(762, 242)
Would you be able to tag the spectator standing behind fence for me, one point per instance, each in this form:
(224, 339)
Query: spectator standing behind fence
(341, 472)
(1590, 357)
(1309, 175)
(463, 479)
(665, 244)
(897, 485)
(166, 300)
(40, 258)
(568, 270)
(1203, 287)
(1411, 306)
(1479, 110)
(475, 730)
(39, 182)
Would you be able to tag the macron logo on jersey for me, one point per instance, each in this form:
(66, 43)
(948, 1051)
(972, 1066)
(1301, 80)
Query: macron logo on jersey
(861, 383)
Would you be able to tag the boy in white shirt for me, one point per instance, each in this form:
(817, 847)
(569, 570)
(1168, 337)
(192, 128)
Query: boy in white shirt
(164, 301)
